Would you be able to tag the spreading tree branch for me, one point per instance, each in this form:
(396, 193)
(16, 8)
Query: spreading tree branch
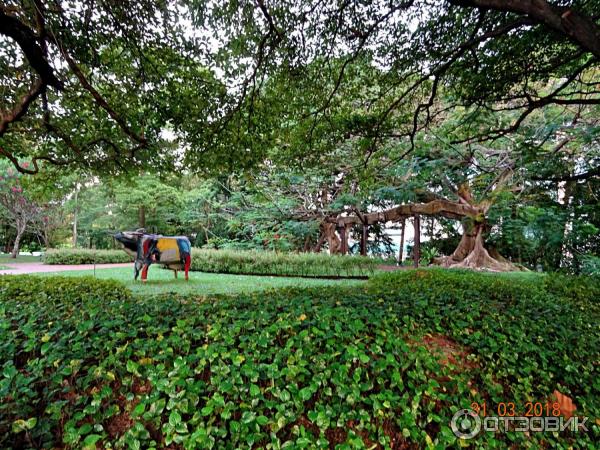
(592, 173)
(579, 28)
(438, 207)
(21, 108)
(13, 28)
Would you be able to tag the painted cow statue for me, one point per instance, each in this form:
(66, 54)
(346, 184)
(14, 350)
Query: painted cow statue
(173, 252)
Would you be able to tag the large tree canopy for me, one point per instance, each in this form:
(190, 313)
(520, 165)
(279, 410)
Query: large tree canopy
(488, 55)
(346, 112)
(96, 83)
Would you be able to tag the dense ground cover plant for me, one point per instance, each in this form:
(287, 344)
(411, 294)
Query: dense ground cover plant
(276, 263)
(299, 368)
(85, 256)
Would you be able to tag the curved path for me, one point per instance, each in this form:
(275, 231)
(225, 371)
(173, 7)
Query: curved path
(38, 267)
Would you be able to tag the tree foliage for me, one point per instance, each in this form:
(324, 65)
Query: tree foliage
(302, 116)
(96, 84)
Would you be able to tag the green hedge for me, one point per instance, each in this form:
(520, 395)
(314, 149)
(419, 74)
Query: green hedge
(289, 264)
(300, 368)
(59, 290)
(85, 256)
(238, 262)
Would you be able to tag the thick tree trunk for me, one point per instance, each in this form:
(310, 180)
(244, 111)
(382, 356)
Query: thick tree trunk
(417, 246)
(479, 258)
(17, 243)
(334, 242)
(364, 238)
(472, 254)
(75, 217)
(401, 250)
(142, 216)
(465, 246)
(320, 242)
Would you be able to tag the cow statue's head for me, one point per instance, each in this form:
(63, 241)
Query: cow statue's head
(130, 239)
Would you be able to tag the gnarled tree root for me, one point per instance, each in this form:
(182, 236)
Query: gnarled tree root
(472, 254)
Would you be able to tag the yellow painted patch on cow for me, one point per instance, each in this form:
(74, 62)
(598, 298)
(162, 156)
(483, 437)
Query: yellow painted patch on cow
(167, 244)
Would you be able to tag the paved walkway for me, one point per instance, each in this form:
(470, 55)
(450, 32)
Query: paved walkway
(38, 267)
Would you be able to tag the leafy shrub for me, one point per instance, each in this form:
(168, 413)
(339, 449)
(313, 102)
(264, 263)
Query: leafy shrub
(85, 256)
(591, 265)
(428, 253)
(302, 367)
(59, 290)
(272, 263)
(29, 247)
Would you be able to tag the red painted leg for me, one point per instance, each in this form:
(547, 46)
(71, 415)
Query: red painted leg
(145, 272)
(188, 262)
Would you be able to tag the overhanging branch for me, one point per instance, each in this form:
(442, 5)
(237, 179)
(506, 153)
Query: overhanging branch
(439, 207)
(21, 108)
(15, 29)
(579, 28)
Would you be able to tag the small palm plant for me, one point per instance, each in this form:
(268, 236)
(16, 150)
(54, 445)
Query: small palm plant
(427, 255)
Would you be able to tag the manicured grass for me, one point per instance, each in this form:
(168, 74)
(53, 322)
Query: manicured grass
(162, 281)
(5, 258)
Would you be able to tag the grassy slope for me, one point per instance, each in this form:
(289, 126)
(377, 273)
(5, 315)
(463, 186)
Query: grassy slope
(162, 281)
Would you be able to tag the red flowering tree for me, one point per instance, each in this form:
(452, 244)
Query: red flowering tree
(18, 208)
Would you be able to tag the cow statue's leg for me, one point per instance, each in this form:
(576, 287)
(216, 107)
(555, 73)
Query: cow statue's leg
(145, 271)
(137, 266)
(175, 271)
(188, 262)
(147, 247)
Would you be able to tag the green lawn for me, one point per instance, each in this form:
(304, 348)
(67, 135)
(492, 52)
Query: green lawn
(162, 281)
(5, 258)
